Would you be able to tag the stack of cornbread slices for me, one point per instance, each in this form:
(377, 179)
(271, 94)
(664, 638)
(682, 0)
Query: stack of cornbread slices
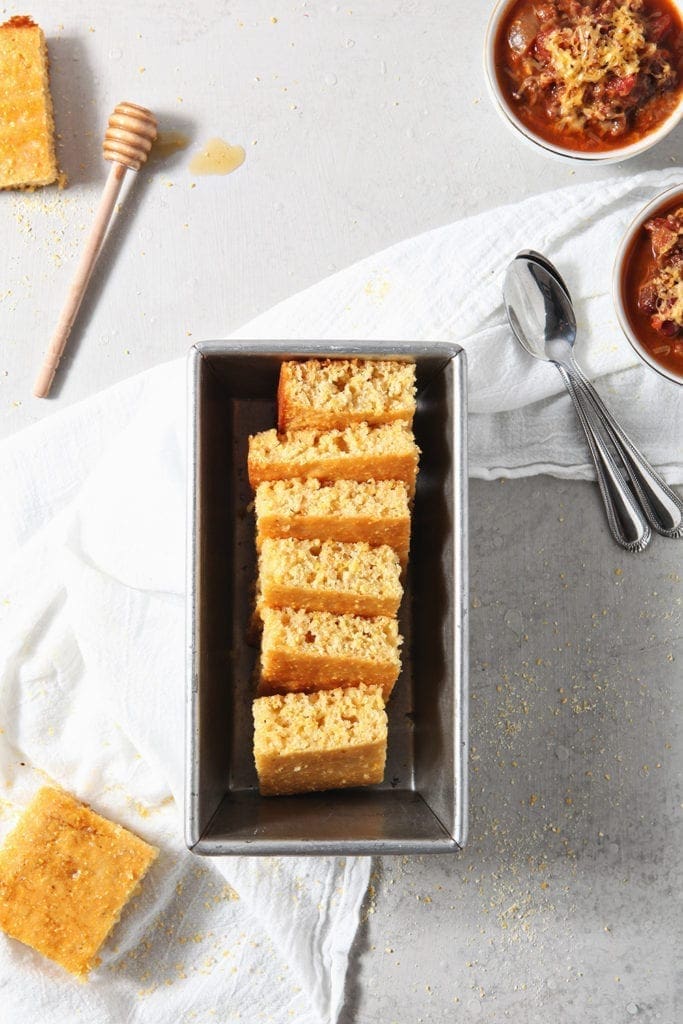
(333, 489)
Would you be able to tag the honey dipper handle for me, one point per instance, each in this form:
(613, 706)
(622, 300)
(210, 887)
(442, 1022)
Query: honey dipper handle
(41, 388)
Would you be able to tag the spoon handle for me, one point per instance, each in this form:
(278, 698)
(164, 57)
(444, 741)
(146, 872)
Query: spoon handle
(626, 522)
(662, 506)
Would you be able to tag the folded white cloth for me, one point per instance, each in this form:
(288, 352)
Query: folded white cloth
(91, 696)
(446, 285)
(91, 608)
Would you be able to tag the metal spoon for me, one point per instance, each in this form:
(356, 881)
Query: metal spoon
(537, 257)
(661, 505)
(542, 320)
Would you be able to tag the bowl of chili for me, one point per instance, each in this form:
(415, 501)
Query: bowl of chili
(648, 284)
(589, 80)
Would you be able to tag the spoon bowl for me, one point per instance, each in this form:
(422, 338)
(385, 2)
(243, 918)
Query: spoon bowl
(534, 256)
(539, 308)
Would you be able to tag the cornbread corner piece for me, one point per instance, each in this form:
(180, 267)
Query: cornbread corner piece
(330, 576)
(332, 393)
(27, 152)
(328, 740)
(65, 875)
(374, 511)
(312, 650)
(358, 452)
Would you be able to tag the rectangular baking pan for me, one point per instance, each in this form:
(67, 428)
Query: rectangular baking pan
(422, 805)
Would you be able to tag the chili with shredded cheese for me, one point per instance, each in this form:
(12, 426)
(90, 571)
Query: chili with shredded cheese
(652, 286)
(591, 75)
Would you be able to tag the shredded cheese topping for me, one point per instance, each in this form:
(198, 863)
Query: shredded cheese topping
(595, 48)
(669, 285)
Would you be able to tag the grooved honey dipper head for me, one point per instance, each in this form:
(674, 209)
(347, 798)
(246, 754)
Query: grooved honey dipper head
(130, 133)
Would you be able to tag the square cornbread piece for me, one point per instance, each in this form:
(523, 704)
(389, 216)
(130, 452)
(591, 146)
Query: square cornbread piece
(359, 452)
(27, 153)
(330, 576)
(374, 511)
(65, 876)
(332, 393)
(305, 650)
(328, 740)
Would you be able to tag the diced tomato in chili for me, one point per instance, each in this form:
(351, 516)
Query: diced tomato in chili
(664, 235)
(539, 48)
(666, 327)
(659, 26)
(621, 86)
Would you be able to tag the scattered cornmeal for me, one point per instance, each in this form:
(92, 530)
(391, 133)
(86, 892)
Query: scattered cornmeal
(65, 876)
(27, 153)
(332, 739)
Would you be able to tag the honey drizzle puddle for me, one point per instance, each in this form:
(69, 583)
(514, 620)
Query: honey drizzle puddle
(217, 157)
(167, 143)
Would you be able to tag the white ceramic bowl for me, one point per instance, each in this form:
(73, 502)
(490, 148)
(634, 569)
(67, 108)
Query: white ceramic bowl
(609, 156)
(664, 199)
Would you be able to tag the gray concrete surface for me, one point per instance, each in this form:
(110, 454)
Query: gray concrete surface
(566, 904)
(367, 123)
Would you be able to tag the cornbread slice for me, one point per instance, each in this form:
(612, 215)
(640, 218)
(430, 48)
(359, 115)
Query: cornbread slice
(304, 742)
(304, 650)
(27, 153)
(65, 876)
(332, 393)
(374, 511)
(359, 452)
(330, 576)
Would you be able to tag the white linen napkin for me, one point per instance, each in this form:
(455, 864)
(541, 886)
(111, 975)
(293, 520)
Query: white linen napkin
(91, 696)
(446, 285)
(91, 608)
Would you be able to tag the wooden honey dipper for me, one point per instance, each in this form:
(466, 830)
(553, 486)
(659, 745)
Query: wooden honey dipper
(131, 130)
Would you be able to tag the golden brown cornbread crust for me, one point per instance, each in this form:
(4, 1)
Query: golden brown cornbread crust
(308, 650)
(65, 875)
(27, 155)
(359, 452)
(324, 394)
(374, 511)
(330, 576)
(325, 740)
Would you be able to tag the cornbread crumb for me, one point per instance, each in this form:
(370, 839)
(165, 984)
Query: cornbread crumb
(332, 393)
(27, 154)
(65, 875)
(358, 452)
(375, 511)
(332, 739)
(330, 576)
(310, 650)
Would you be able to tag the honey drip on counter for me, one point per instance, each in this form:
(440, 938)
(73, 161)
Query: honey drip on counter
(217, 157)
(168, 143)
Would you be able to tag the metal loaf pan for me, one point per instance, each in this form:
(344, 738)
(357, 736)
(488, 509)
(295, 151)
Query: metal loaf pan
(422, 805)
